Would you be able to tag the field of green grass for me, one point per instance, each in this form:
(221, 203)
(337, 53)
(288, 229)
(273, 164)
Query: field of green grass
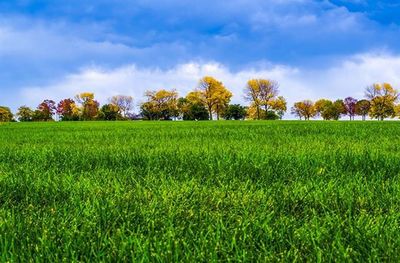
(200, 191)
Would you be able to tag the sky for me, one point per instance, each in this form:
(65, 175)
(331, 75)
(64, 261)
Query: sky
(54, 49)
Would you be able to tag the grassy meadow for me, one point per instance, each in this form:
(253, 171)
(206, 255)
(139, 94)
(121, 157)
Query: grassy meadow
(200, 191)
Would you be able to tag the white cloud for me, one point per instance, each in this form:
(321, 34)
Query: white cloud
(135, 81)
(348, 78)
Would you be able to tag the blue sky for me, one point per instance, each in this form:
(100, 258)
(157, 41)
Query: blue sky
(54, 49)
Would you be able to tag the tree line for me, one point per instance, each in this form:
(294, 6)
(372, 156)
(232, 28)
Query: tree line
(211, 99)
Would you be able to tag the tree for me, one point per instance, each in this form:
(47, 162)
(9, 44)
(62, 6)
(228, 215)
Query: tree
(350, 107)
(304, 109)
(279, 105)
(189, 110)
(235, 112)
(183, 105)
(161, 104)
(25, 114)
(254, 113)
(90, 107)
(321, 108)
(362, 108)
(5, 114)
(110, 112)
(337, 110)
(329, 110)
(222, 99)
(45, 111)
(148, 111)
(261, 93)
(68, 110)
(90, 110)
(124, 103)
(197, 112)
(213, 95)
(383, 98)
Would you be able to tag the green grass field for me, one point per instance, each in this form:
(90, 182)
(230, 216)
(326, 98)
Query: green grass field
(200, 191)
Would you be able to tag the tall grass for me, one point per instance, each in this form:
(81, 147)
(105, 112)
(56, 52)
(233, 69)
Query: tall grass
(200, 191)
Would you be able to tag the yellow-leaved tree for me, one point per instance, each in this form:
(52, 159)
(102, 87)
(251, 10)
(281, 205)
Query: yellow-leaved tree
(382, 100)
(279, 105)
(262, 93)
(160, 104)
(213, 95)
(90, 107)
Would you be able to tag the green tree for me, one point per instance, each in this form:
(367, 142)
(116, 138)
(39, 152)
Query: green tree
(337, 110)
(362, 108)
(189, 110)
(329, 110)
(25, 114)
(235, 112)
(110, 112)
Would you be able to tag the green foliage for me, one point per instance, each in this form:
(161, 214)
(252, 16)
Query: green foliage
(271, 115)
(110, 112)
(39, 115)
(362, 108)
(235, 112)
(25, 114)
(196, 112)
(190, 110)
(330, 110)
(199, 191)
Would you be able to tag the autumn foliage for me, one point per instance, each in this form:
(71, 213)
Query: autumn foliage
(211, 99)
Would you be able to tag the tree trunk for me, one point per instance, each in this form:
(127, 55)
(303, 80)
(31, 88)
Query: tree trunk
(266, 111)
(210, 113)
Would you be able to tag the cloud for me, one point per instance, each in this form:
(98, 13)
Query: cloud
(347, 78)
(134, 81)
(55, 50)
(154, 33)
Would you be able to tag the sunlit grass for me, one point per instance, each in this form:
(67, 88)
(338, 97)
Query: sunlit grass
(200, 191)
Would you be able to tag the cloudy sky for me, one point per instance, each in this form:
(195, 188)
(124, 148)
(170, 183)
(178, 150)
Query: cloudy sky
(323, 48)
